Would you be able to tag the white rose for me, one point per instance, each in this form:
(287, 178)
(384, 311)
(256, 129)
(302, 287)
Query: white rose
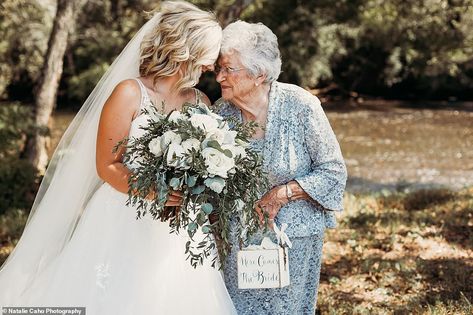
(222, 137)
(236, 150)
(217, 163)
(175, 155)
(215, 183)
(155, 146)
(224, 125)
(216, 116)
(204, 122)
(169, 137)
(190, 144)
(175, 116)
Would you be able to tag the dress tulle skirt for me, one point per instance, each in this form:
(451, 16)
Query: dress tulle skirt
(115, 264)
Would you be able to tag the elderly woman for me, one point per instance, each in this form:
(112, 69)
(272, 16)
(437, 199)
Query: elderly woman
(301, 155)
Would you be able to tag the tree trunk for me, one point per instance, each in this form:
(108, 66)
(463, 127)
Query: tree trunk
(230, 13)
(45, 96)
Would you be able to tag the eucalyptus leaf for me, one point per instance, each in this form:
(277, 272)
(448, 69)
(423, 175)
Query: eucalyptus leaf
(214, 144)
(191, 180)
(198, 190)
(175, 183)
(192, 226)
(228, 153)
(207, 208)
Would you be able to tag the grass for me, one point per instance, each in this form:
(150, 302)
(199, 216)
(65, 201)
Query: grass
(392, 253)
(400, 253)
(11, 226)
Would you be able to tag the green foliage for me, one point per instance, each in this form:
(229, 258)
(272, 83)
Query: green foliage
(103, 30)
(18, 184)
(12, 224)
(16, 122)
(218, 175)
(24, 33)
(18, 178)
(391, 48)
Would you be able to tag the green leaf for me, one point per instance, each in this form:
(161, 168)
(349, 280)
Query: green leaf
(228, 153)
(207, 208)
(201, 218)
(198, 190)
(191, 180)
(192, 226)
(214, 144)
(206, 229)
(174, 183)
(215, 183)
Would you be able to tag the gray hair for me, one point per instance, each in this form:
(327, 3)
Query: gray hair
(257, 46)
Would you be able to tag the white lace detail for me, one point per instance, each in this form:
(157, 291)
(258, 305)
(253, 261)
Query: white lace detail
(103, 272)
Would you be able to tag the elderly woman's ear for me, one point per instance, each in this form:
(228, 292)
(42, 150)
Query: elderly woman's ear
(260, 79)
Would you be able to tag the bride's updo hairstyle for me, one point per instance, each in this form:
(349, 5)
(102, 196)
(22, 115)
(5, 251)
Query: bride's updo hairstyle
(184, 39)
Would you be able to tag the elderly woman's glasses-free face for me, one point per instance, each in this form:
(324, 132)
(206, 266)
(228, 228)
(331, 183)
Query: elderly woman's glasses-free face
(226, 70)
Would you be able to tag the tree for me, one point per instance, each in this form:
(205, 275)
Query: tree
(227, 11)
(25, 26)
(49, 81)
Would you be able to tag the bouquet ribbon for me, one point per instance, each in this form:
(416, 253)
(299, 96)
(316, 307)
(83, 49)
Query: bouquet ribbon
(281, 236)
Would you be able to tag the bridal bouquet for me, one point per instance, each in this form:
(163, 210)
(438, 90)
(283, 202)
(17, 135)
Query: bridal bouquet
(195, 151)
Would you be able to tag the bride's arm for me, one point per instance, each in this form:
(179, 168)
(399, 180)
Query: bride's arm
(115, 121)
(114, 125)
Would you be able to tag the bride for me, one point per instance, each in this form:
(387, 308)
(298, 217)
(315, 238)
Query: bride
(82, 246)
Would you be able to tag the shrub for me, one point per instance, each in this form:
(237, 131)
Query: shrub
(18, 178)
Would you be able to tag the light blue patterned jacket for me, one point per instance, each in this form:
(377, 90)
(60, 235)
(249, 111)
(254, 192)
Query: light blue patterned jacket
(300, 145)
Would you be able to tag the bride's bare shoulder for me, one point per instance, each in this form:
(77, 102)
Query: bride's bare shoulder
(125, 97)
(127, 88)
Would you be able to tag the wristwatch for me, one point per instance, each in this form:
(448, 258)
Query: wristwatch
(289, 192)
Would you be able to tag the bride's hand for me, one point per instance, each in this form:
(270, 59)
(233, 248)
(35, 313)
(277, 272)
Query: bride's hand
(174, 199)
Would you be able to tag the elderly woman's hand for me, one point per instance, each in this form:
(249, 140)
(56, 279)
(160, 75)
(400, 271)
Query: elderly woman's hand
(271, 203)
(276, 198)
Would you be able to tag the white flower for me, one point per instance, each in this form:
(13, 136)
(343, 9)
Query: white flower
(175, 155)
(217, 163)
(204, 122)
(175, 116)
(216, 116)
(215, 183)
(242, 143)
(190, 144)
(224, 125)
(236, 150)
(222, 137)
(155, 146)
(169, 137)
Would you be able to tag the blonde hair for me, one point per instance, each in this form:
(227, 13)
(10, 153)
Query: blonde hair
(184, 39)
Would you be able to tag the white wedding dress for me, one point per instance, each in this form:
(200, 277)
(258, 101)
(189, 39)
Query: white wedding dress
(117, 265)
